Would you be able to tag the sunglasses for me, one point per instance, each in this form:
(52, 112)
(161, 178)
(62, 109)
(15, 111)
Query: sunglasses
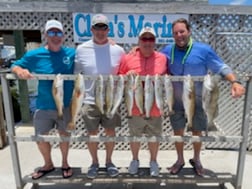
(55, 33)
(146, 39)
(102, 27)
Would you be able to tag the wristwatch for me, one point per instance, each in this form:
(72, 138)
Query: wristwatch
(236, 81)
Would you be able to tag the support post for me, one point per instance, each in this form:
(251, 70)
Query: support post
(245, 129)
(22, 84)
(11, 132)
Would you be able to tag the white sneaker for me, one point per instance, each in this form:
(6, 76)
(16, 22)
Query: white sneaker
(133, 167)
(154, 169)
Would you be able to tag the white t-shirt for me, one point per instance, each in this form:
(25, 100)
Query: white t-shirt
(94, 59)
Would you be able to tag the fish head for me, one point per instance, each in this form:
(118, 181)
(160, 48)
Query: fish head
(79, 81)
(188, 83)
(211, 81)
(58, 81)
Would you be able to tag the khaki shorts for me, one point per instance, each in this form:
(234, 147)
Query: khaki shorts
(93, 118)
(150, 127)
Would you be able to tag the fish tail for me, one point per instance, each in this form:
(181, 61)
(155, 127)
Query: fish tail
(71, 126)
(212, 127)
(171, 112)
(60, 115)
(188, 127)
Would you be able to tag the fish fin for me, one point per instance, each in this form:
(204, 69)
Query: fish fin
(188, 127)
(78, 93)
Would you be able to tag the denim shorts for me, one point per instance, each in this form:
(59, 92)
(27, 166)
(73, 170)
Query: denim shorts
(178, 120)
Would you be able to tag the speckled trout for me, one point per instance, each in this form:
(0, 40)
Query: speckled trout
(188, 98)
(210, 95)
(77, 100)
(148, 96)
(118, 95)
(58, 94)
(139, 94)
(169, 94)
(129, 94)
(109, 94)
(99, 93)
(158, 88)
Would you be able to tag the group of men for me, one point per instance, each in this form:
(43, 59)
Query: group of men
(101, 56)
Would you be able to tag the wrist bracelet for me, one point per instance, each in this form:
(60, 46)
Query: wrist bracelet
(236, 81)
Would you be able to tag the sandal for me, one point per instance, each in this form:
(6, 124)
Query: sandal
(40, 173)
(67, 172)
(112, 170)
(176, 168)
(197, 167)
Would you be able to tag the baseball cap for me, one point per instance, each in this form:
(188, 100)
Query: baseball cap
(147, 29)
(99, 19)
(53, 24)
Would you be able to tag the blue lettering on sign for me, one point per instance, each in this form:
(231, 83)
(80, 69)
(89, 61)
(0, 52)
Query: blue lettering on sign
(79, 19)
(135, 29)
(111, 30)
(126, 27)
(120, 31)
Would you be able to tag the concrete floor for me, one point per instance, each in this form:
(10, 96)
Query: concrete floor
(222, 161)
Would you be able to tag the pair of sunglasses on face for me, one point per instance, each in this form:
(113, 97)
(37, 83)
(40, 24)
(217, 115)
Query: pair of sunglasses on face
(101, 27)
(55, 33)
(147, 39)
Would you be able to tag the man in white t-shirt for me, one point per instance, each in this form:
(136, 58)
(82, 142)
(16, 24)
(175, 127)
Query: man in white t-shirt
(94, 57)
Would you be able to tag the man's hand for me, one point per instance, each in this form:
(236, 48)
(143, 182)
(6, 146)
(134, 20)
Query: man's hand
(22, 73)
(237, 90)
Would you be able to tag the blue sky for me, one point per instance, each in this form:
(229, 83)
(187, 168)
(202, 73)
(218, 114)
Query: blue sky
(230, 2)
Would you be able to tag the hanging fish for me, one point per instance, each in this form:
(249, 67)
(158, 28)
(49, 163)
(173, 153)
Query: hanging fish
(129, 94)
(169, 94)
(109, 94)
(158, 88)
(139, 94)
(210, 95)
(58, 94)
(118, 95)
(99, 93)
(148, 96)
(77, 99)
(188, 98)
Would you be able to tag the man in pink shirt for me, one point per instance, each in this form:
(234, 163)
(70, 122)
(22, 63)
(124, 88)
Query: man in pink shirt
(145, 61)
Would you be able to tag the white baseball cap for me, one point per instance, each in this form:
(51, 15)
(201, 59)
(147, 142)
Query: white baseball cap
(100, 19)
(147, 29)
(53, 24)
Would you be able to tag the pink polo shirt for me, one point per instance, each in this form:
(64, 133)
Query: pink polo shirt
(155, 64)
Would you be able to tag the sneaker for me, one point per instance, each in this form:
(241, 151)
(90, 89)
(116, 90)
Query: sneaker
(133, 168)
(112, 170)
(93, 171)
(154, 169)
